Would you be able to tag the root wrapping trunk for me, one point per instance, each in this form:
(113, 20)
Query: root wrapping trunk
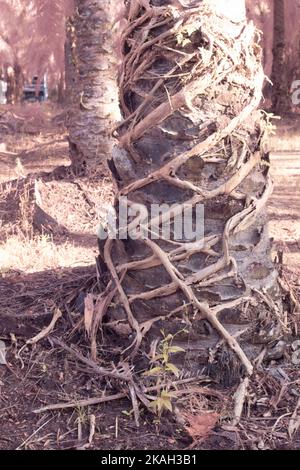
(190, 87)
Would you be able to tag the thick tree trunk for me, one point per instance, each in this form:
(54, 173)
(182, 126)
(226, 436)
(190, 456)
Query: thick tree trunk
(96, 110)
(190, 86)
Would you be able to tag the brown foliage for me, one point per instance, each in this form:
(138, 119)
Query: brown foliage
(200, 426)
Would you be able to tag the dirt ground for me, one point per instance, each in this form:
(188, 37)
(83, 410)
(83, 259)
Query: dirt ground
(48, 246)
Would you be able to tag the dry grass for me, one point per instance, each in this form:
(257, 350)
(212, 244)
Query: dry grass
(41, 253)
(33, 132)
(287, 137)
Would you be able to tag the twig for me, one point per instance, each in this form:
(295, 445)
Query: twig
(33, 434)
(92, 428)
(56, 316)
(117, 396)
(92, 364)
(45, 332)
(239, 400)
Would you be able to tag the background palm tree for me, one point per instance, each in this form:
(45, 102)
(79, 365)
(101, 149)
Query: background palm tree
(280, 99)
(96, 107)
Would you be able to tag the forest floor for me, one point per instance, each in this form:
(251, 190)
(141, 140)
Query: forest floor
(48, 245)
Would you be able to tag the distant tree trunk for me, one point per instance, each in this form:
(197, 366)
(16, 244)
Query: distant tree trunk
(19, 83)
(190, 85)
(71, 73)
(280, 99)
(262, 13)
(96, 109)
(15, 83)
(10, 79)
(61, 95)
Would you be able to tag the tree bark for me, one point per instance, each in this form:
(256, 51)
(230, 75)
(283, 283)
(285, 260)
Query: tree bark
(15, 83)
(10, 79)
(281, 99)
(190, 85)
(71, 73)
(278, 20)
(96, 109)
(61, 92)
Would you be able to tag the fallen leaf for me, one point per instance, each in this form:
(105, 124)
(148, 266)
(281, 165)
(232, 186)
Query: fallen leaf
(200, 426)
(2, 353)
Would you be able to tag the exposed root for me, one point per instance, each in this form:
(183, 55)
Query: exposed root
(44, 333)
(204, 310)
(124, 299)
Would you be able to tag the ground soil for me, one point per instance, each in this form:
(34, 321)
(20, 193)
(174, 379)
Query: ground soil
(51, 263)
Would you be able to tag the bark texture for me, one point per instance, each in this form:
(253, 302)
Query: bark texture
(281, 101)
(96, 109)
(190, 85)
(279, 22)
(71, 72)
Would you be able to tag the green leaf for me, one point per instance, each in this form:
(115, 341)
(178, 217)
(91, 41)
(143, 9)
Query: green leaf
(166, 403)
(175, 349)
(157, 404)
(159, 357)
(167, 338)
(172, 368)
(154, 405)
(166, 357)
(163, 402)
(153, 372)
(167, 394)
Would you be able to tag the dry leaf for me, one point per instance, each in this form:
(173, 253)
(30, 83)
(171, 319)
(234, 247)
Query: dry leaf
(200, 426)
(2, 353)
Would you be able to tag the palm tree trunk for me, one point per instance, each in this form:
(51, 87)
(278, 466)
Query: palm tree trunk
(280, 84)
(71, 74)
(96, 109)
(191, 136)
(15, 82)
